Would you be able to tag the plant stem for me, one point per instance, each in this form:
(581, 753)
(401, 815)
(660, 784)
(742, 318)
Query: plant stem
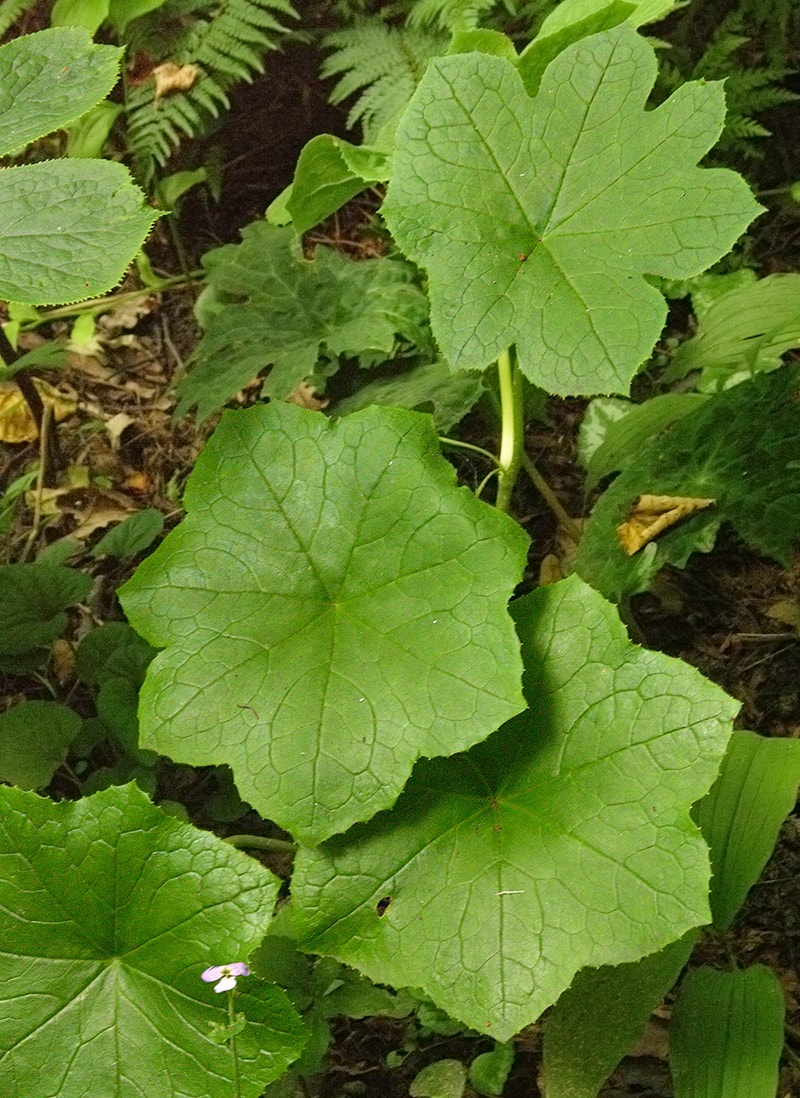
(237, 1085)
(568, 525)
(445, 441)
(511, 429)
(261, 842)
(48, 441)
(109, 301)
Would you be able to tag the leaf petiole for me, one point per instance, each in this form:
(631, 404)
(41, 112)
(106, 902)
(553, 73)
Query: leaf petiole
(511, 427)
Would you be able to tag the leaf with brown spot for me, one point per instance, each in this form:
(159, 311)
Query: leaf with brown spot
(652, 515)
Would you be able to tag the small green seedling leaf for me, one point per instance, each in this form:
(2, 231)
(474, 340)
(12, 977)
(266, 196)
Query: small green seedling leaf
(329, 172)
(444, 1079)
(743, 333)
(601, 1017)
(131, 536)
(332, 608)
(562, 841)
(538, 219)
(33, 598)
(109, 912)
(34, 737)
(743, 813)
(489, 1071)
(49, 80)
(727, 1034)
(265, 306)
(740, 449)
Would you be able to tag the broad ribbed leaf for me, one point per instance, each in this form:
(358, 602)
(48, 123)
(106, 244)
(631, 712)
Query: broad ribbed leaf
(563, 841)
(332, 608)
(727, 1034)
(538, 219)
(109, 912)
(743, 813)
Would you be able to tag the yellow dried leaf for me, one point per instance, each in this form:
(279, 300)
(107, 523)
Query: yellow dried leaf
(651, 515)
(171, 78)
(16, 422)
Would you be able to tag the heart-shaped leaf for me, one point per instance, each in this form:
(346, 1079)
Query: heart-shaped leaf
(332, 608)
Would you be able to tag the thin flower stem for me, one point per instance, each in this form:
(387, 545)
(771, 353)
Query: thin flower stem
(511, 429)
(237, 1085)
(261, 842)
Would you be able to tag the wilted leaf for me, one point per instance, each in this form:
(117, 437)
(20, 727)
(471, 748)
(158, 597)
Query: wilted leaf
(16, 421)
(170, 78)
(650, 516)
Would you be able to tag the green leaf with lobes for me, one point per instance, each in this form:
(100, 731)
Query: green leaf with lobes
(563, 841)
(109, 912)
(332, 608)
(265, 305)
(537, 220)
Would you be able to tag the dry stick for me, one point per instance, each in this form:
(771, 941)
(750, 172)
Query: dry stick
(51, 455)
(567, 524)
(44, 432)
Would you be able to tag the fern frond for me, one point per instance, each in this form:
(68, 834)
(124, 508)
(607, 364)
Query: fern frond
(449, 15)
(226, 39)
(384, 64)
(10, 12)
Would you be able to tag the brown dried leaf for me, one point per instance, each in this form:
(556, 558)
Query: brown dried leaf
(16, 422)
(652, 515)
(171, 78)
(304, 395)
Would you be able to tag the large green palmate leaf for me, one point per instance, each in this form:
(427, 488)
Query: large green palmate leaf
(538, 219)
(332, 608)
(266, 306)
(109, 912)
(562, 841)
(740, 448)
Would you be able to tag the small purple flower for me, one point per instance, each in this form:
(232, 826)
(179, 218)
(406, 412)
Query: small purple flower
(227, 975)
